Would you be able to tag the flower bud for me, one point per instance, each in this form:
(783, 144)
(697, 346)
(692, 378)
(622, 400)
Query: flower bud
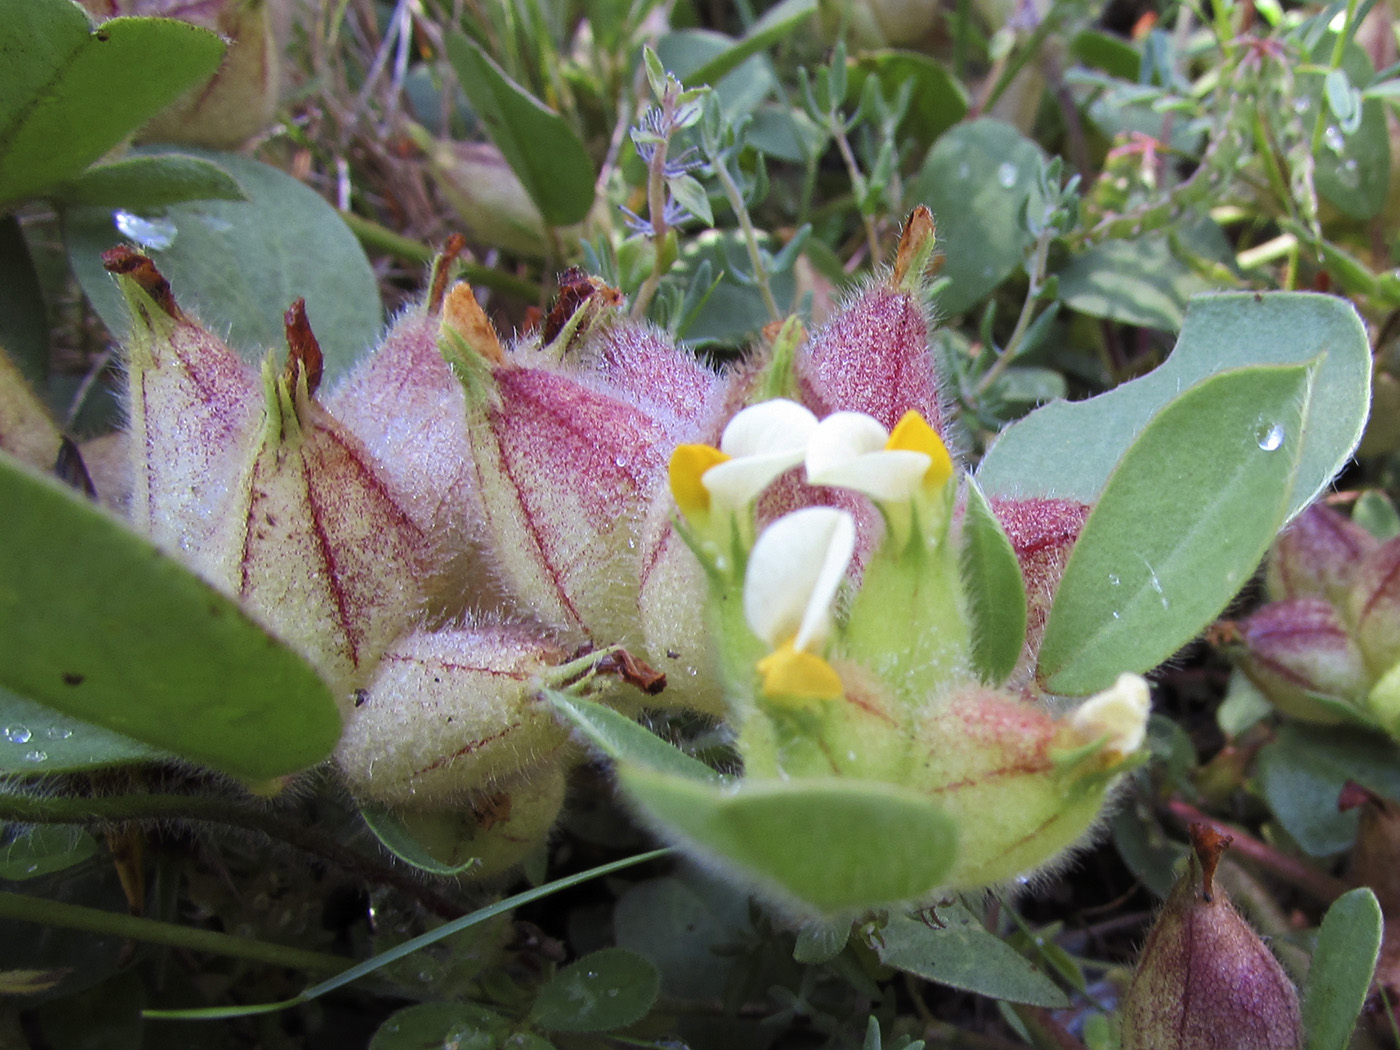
(27, 431)
(1206, 981)
(1317, 556)
(1022, 786)
(1042, 533)
(193, 408)
(241, 98)
(498, 827)
(1373, 606)
(449, 713)
(478, 184)
(316, 541)
(1375, 860)
(408, 408)
(873, 356)
(565, 474)
(1299, 646)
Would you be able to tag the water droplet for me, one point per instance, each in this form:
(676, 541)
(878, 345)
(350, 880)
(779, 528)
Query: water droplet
(17, 734)
(1006, 175)
(35, 756)
(1270, 437)
(964, 170)
(1334, 138)
(1302, 105)
(58, 733)
(155, 234)
(1115, 614)
(1113, 579)
(620, 461)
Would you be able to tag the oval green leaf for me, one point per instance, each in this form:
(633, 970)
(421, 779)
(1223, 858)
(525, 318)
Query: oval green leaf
(1348, 945)
(538, 144)
(1183, 522)
(151, 180)
(43, 850)
(1069, 449)
(73, 91)
(977, 180)
(962, 953)
(396, 836)
(238, 264)
(608, 989)
(623, 740)
(996, 591)
(38, 739)
(99, 624)
(821, 847)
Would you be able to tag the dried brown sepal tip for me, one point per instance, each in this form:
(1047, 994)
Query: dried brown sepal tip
(916, 244)
(304, 357)
(463, 316)
(443, 266)
(582, 299)
(124, 261)
(1209, 845)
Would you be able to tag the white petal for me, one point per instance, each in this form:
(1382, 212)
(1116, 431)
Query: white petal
(777, 427)
(847, 450)
(736, 482)
(794, 571)
(1119, 712)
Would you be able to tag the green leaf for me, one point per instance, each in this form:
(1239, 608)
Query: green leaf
(71, 92)
(538, 144)
(238, 265)
(434, 1026)
(44, 850)
(1107, 52)
(1302, 771)
(38, 739)
(608, 989)
(98, 624)
(820, 846)
(1339, 977)
(995, 590)
(1068, 449)
(938, 100)
(1142, 281)
(778, 22)
(623, 740)
(151, 180)
(1184, 520)
(395, 836)
(1375, 513)
(965, 954)
(979, 179)
(680, 922)
(1353, 165)
(24, 316)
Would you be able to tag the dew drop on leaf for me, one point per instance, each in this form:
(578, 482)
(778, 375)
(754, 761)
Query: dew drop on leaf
(155, 234)
(1271, 437)
(1006, 175)
(17, 734)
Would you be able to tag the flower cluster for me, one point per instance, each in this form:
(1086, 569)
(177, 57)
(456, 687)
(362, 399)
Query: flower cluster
(462, 526)
(1326, 647)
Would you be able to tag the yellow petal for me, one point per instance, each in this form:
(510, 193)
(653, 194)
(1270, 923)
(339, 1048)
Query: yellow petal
(794, 677)
(912, 433)
(688, 466)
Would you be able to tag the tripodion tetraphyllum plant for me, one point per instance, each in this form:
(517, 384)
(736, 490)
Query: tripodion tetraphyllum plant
(467, 539)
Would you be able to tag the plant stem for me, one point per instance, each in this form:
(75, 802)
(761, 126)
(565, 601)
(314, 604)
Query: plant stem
(158, 808)
(1335, 62)
(24, 908)
(1040, 258)
(735, 196)
(848, 157)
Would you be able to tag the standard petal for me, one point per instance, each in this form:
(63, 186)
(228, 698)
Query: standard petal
(769, 428)
(850, 450)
